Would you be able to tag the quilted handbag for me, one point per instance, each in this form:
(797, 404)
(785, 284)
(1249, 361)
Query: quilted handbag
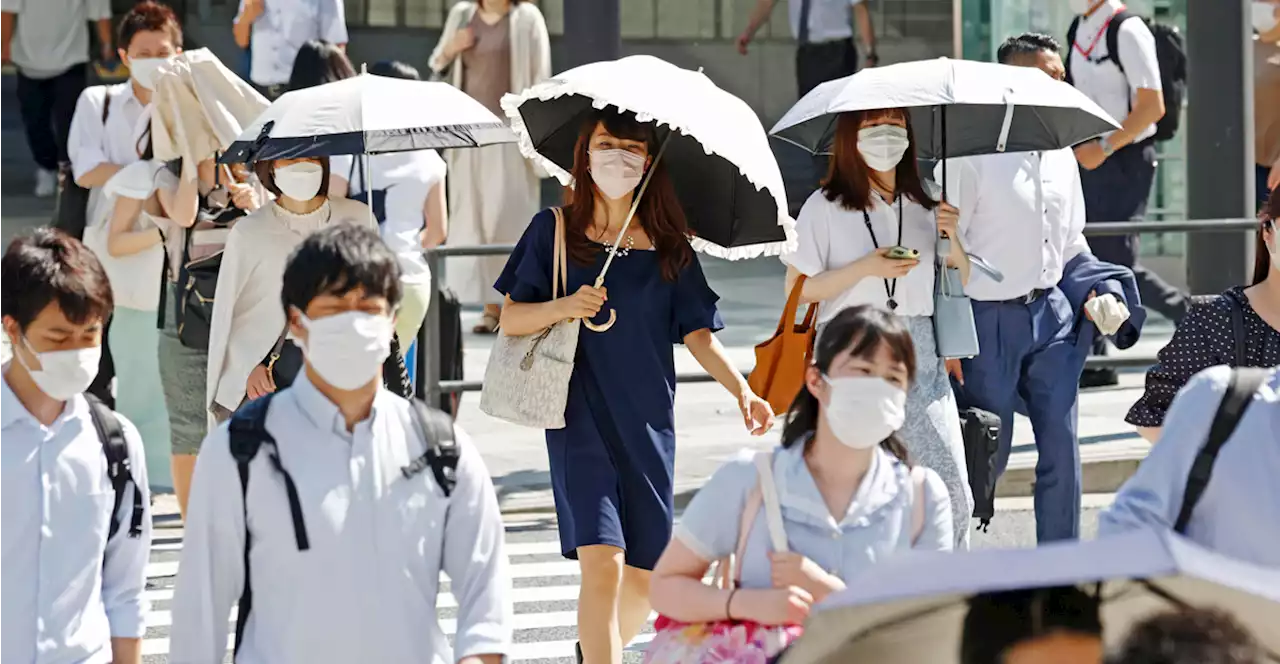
(731, 641)
(527, 379)
(782, 360)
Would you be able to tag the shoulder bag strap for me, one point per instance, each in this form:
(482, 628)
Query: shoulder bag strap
(1071, 45)
(772, 508)
(917, 503)
(1243, 386)
(730, 569)
(560, 262)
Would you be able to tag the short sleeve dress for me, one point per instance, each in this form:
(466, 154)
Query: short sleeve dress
(613, 463)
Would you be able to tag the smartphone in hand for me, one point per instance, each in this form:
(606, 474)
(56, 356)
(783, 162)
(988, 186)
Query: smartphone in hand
(903, 253)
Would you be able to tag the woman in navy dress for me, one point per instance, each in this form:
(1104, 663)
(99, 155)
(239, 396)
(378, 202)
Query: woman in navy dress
(613, 463)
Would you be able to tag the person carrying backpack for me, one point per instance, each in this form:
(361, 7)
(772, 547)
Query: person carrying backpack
(1136, 71)
(76, 512)
(329, 508)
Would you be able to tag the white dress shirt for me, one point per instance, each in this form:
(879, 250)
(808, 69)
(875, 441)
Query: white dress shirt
(51, 36)
(67, 589)
(90, 143)
(831, 237)
(407, 177)
(1103, 82)
(282, 29)
(829, 20)
(366, 589)
(1022, 212)
(247, 315)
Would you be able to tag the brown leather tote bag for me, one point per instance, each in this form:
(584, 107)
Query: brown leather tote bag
(781, 361)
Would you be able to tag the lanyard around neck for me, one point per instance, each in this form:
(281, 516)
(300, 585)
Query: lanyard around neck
(890, 285)
(1086, 52)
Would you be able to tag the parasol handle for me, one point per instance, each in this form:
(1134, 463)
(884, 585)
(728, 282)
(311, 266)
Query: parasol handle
(944, 157)
(635, 204)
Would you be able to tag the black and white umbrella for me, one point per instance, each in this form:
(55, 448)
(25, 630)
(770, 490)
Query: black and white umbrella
(367, 115)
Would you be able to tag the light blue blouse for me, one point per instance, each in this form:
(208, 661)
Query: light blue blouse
(1239, 512)
(877, 524)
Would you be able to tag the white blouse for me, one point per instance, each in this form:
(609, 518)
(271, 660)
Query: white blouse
(831, 237)
(247, 315)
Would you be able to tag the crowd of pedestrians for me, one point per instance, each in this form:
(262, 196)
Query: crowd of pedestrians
(289, 388)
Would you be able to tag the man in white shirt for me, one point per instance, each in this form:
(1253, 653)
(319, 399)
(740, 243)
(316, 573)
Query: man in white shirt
(46, 40)
(1117, 170)
(76, 520)
(1025, 214)
(823, 30)
(352, 508)
(276, 29)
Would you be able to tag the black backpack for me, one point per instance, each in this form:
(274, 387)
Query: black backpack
(1171, 53)
(1244, 384)
(248, 433)
(116, 450)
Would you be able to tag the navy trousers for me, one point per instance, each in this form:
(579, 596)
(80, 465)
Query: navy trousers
(1030, 360)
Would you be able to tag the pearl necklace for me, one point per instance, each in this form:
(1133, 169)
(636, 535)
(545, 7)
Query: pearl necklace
(629, 242)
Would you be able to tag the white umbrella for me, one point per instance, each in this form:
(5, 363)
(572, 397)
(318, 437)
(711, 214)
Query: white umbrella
(912, 608)
(718, 154)
(958, 108)
(367, 115)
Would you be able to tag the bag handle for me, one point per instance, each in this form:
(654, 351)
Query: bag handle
(560, 260)
(793, 305)
(772, 508)
(763, 494)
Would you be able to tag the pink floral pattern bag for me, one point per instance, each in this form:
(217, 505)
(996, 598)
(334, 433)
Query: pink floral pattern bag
(731, 641)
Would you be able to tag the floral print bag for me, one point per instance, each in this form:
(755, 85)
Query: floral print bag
(731, 641)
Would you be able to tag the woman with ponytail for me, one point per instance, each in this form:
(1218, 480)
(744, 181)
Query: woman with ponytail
(848, 496)
(1239, 328)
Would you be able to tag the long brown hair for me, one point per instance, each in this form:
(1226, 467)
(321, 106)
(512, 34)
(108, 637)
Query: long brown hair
(860, 331)
(848, 180)
(659, 214)
(1270, 218)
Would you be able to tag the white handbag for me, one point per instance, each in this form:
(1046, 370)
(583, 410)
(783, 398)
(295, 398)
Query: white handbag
(527, 379)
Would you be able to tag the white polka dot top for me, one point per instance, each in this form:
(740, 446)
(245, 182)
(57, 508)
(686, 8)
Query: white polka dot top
(1204, 338)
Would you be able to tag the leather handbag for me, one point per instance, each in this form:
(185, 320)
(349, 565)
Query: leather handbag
(781, 361)
(954, 330)
(527, 379)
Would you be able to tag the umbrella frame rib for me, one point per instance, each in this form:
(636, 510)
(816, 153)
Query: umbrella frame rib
(367, 142)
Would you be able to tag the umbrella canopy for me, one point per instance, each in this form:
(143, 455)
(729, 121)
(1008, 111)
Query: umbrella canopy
(367, 115)
(912, 608)
(958, 108)
(718, 154)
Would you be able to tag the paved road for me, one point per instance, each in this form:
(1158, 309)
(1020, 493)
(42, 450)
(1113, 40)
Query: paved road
(545, 585)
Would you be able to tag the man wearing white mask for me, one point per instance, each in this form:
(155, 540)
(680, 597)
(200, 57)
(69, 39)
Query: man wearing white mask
(76, 524)
(1024, 213)
(352, 501)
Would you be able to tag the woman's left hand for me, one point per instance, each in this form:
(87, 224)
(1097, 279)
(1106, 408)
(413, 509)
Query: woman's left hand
(756, 414)
(792, 569)
(948, 219)
(244, 197)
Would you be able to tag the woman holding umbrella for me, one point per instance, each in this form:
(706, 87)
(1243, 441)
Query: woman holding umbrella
(612, 464)
(868, 237)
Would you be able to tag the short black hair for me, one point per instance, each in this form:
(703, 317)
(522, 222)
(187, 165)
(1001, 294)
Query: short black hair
(319, 62)
(51, 266)
(1027, 43)
(1189, 636)
(148, 17)
(266, 172)
(336, 260)
(999, 621)
(395, 69)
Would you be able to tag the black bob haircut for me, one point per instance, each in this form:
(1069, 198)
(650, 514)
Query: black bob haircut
(998, 621)
(266, 172)
(1027, 43)
(49, 266)
(319, 62)
(337, 260)
(395, 69)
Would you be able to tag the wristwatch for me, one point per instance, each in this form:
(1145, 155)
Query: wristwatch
(1105, 144)
(872, 58)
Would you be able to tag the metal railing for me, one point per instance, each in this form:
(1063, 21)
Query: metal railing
(430, 387)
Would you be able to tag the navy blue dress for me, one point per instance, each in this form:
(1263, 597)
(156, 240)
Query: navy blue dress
(612, 465)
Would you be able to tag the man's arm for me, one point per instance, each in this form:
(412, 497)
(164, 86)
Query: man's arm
(862, 16)
(759, 16)
(100, 14)
(333, 23)
(124, 564)
(242, 28)
(85, 142)
(7, 21)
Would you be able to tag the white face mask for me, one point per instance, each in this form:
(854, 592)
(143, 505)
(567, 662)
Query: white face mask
(862, 411)
(146, 70)
(616, 172)
(347, 349)
(882, 146)
(300, 181)
(1264, 16)
(63, 373)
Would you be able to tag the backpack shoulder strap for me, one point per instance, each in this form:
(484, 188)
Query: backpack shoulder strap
(917, 503)
(106, 105)
(1071, 45)
(442, 452)
(119, 471)
(1244, 384)
(1113, 37)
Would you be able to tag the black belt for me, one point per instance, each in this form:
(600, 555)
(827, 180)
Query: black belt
(1034, 295)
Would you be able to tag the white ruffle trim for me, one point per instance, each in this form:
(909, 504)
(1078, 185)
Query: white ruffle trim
(556, 88)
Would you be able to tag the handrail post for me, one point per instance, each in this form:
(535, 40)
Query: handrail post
(428, 388)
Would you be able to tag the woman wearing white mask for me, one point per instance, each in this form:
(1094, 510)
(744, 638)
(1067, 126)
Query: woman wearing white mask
(872, 202)
(247, 318)
(612, 464)
(849, 498)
